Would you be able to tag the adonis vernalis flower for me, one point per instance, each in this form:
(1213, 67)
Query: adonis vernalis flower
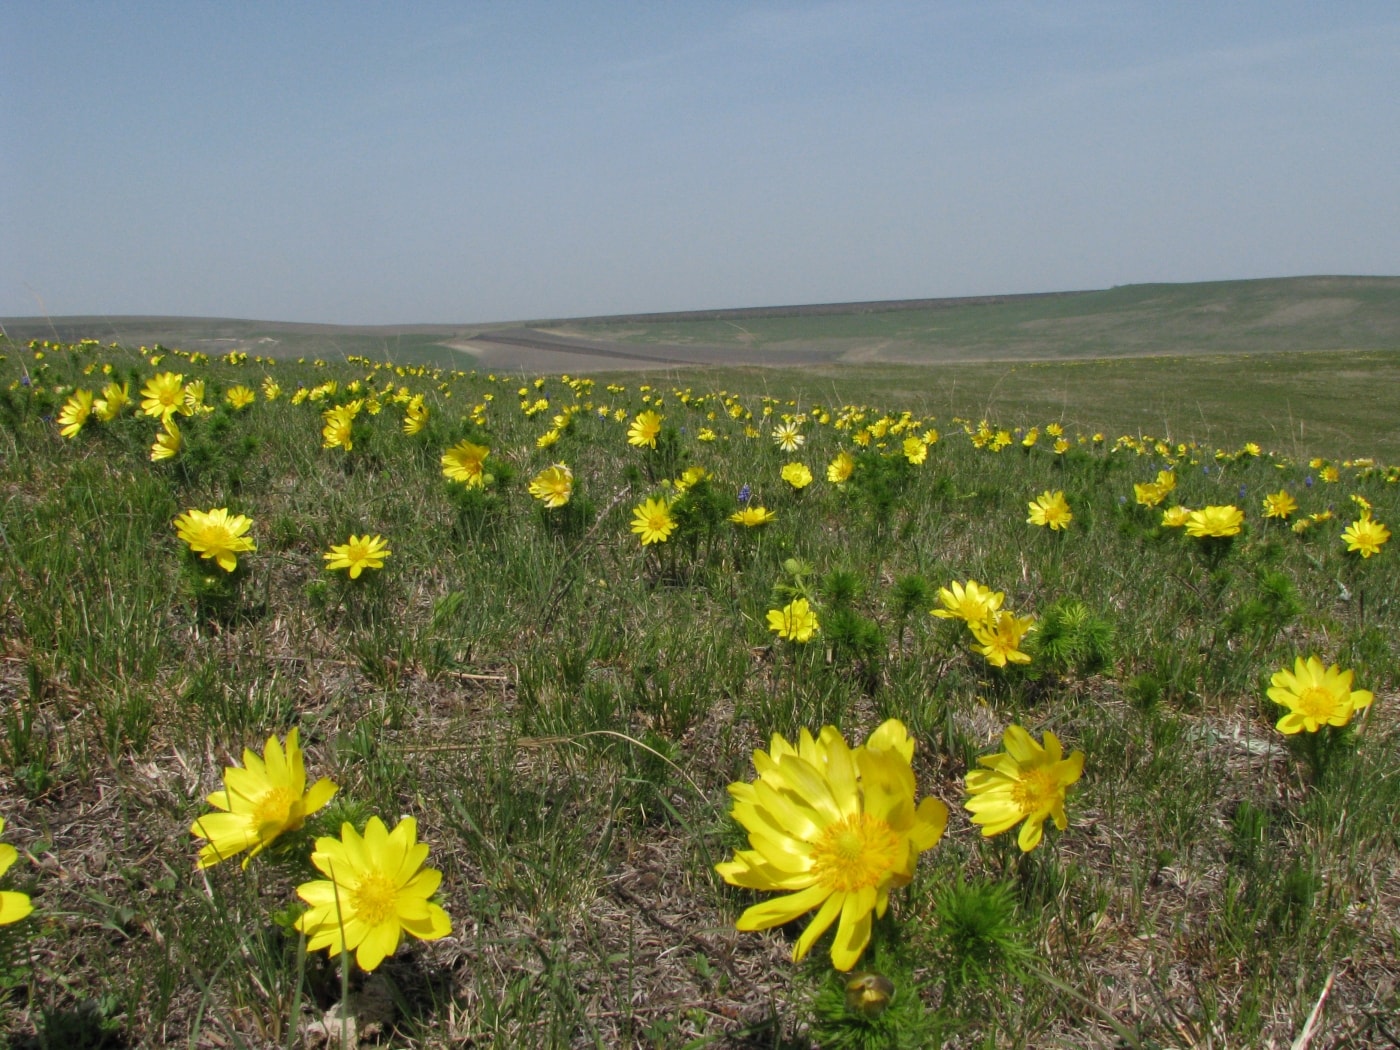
(971, 602)
(840, 469)
(644, 430)
(797, 475)
(652, 521)
(260, 800)
(1280, 504)
(794, 622)
(168, 442)
(752, 517)
(376, 890)
(1315, 696)
(1365, 536)
(358, 554)
(1218, 522)
(831, 829)
(1050, 509)
(216, 534)
(464, 462)
(75, 413)
(163, 395)
(553, 485)
(1026, 782)
(13, 906)
(239, 397)
(999, 637)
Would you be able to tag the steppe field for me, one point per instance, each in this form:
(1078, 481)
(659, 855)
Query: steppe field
(1010, 672)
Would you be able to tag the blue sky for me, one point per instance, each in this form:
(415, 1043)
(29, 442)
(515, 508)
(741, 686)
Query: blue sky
(390, 163)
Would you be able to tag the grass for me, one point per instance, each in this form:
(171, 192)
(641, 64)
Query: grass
(561, 709)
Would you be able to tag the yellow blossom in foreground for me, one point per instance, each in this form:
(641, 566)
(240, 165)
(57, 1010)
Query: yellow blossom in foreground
(1280, 505)
(840, 469)
(553, 485)
(1215, 522)
(1050, 509)
(1315, 696)
(752, 517)
(797, 475)
(1364, 536)
(339, 429)
(999, 638)
(216, 534)
(358, 554)
(464, 462)
(652, 521)
(915, 451)
(970, 602)
(163, 395)
(376, 890)
(794, 622)
(1026, 782)
(644, 430)
(831, 829)
(13, 906)
(264, 798)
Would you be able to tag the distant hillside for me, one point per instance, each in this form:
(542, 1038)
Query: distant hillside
(1222, 317)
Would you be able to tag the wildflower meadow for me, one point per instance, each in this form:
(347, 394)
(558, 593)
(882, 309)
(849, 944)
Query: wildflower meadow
(368, 702)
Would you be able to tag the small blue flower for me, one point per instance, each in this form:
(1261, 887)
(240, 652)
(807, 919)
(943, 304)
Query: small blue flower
(1242, 491)
(745, 493)
(1205, 469)
(1308, 481)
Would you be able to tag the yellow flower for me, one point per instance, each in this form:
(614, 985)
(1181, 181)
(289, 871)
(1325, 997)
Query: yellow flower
(794, 622)
(264, 798)
(240, 397)
(339, 429)
(999, 639)
(75, 413)
(1050, 509)
(549, 437)
(464, 462)
(216, 534)
(831, 829)
(168, 442)
(358, 554)
(1364, 536)
(787, 437)
(1280, 505)
(971, 602)
(1315, 696)
(415, 416)
(1176, 517)
(13, 906)
(915, 451)
(1215, 521)
(797, 475)
(271, 389)
(115, 397)
(193, 401)
(1025, 782)
(376, 890)
(840, 469)
(652, 521)
(554, 485)
(644, 430)
(163, 395)
(752, 517)
(1329, 475)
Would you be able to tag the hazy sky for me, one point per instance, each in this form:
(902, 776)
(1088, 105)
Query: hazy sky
(397, 162)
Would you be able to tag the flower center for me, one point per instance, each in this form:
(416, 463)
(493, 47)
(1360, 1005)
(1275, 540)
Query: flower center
(855, 853)
(1034, 792)
(1316, 702)
(374, 898)
(273, 809)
